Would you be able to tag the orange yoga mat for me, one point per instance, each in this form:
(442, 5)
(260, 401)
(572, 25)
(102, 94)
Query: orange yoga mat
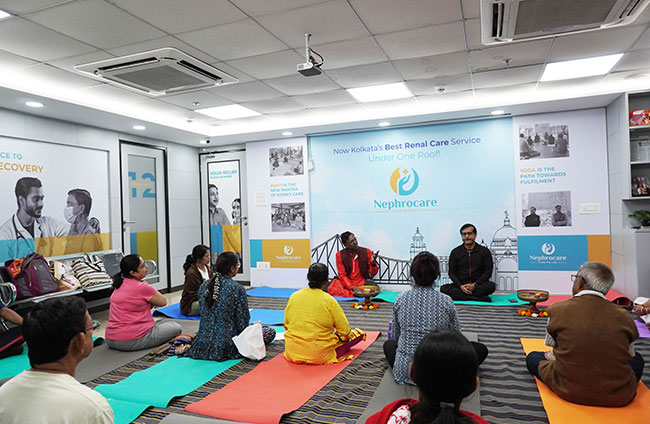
(272, 389)
(560, 411)
(555, 298)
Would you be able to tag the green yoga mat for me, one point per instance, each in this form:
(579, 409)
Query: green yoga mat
(158, 384)
(124, 412)
(497, 300)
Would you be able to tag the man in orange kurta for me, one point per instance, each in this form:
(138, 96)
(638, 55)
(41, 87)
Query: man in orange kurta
(354, 264)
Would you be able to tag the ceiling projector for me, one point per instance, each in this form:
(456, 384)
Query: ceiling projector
(311, 66)
(308, 69)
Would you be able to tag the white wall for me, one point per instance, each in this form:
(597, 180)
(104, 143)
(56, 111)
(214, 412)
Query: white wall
(616, 136)
(182, 172)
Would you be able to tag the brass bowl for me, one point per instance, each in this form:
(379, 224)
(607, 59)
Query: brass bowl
(532, 296)
(366, 291)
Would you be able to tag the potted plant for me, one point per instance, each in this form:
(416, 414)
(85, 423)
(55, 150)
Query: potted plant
(642, 216)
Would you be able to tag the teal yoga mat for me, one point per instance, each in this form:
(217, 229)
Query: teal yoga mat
(124, 412)
(165, 380)
(14, 365)
(497, 300)
(387, 296)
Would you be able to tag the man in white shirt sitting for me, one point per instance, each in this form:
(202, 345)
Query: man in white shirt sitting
(58, 333)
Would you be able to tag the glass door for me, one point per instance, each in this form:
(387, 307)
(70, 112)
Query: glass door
(225, 207)
(144, 213)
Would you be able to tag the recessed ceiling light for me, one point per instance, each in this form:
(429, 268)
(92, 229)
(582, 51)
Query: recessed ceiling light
(497, 112)
(378, 93)
(228, 112)
(139, 127)
(34, 104)
(287, 133)
(579, 68)
(4, 14)
(384, 124)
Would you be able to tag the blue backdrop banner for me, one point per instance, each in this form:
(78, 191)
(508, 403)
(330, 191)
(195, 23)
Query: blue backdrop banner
(409, 189)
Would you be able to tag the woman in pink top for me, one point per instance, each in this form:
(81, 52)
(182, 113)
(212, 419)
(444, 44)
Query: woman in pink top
(130, 324)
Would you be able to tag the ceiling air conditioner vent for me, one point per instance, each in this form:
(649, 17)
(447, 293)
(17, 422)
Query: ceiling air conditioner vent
(157, 72)
(503, 21)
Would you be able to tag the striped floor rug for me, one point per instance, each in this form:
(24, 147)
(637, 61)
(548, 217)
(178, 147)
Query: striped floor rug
(508, 393)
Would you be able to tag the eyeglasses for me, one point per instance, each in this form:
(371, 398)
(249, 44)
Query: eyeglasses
(96, 325)
(467, 234)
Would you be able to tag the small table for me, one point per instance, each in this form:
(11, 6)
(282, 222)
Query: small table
(532, 296)
(368, 292)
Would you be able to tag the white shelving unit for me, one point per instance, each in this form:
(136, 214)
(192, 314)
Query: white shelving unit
(630, 245)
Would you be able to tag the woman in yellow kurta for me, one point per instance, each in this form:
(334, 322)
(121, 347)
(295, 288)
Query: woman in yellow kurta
(317, 330)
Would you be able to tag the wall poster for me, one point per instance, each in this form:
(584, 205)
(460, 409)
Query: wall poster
(561, 173)
(56, 199)
(224, 208)
(405, 190)
(278, 189)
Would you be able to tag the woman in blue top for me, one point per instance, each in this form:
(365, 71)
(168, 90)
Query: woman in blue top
(224, 312)
(417, 312)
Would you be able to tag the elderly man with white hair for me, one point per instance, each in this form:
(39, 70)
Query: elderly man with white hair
(592, 361)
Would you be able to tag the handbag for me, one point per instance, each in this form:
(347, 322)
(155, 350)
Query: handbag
(64, 276)
(250, 342)
(90, 271)
(33, 277)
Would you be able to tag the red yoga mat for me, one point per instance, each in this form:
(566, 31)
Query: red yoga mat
(272, 389)
(611, 295)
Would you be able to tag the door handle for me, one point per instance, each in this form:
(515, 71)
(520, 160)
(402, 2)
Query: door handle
(125, 223)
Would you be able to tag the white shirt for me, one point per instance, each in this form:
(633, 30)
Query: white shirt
(204, 274)
(36, 397)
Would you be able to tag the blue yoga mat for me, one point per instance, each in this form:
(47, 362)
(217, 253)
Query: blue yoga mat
(173, 311)
(280, 293)
(267, 316)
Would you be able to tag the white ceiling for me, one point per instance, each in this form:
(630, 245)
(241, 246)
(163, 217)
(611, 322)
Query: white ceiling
(427, 44)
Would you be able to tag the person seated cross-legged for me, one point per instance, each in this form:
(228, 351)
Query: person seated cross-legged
(470, 269)
(317, 330)
(445, 370)
(58, 333)
(593, 360)
(417, 312)
(356, 266)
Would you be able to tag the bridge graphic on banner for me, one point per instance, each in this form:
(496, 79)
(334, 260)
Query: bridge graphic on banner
(398, 271)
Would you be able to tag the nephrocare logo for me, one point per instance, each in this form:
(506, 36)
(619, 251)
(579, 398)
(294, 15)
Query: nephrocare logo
(404, 183)
(548, 248)
(547, 256)
(288, 250)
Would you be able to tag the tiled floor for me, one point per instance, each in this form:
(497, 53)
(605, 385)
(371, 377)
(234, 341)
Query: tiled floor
(102, 316)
